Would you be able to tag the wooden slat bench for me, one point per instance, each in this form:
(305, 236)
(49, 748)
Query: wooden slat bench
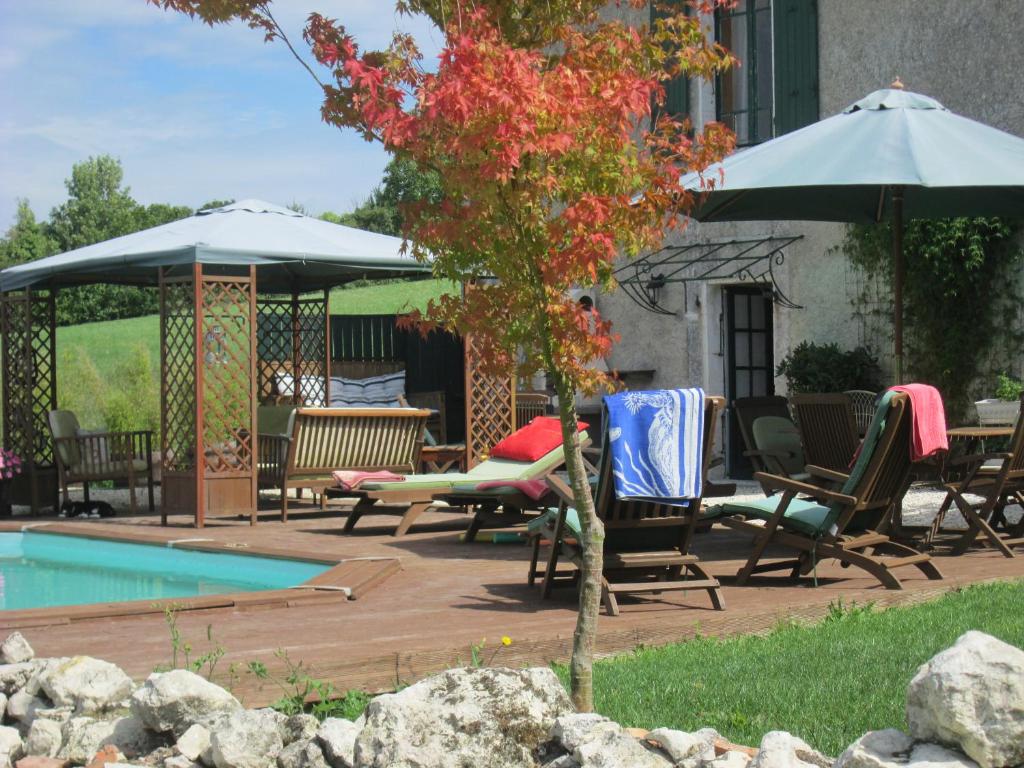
(322, 440)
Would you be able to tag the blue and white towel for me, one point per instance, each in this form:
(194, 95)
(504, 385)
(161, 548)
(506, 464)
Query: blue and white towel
(656, 442)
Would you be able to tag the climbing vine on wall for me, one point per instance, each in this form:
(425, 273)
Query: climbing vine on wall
(961, 311)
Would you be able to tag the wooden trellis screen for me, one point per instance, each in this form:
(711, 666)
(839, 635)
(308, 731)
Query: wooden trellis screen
(28, 324)
(490, 407)
(293, 345)
(208, 394)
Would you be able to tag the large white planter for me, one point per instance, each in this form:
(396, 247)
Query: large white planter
(994, 412)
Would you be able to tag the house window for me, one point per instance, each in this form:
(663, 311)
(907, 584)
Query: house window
(744, 93)
(774, 90)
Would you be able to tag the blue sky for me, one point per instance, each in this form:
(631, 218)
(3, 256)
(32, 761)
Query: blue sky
(193, 113)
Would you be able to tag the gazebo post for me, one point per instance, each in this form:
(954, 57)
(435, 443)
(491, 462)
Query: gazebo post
(327, 347)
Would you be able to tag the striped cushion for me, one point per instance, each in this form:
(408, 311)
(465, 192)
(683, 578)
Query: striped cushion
(376, 391)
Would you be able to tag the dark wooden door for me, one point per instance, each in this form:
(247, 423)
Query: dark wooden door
(750, 365)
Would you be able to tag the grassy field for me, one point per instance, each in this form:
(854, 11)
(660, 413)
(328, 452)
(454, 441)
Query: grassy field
(105, 344)
(827, 683)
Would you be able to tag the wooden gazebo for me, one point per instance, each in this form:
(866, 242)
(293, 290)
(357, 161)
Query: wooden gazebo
(243, 298)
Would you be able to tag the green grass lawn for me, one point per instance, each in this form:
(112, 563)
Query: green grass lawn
(827, 683)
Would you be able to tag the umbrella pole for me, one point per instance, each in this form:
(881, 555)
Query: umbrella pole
(897, 280)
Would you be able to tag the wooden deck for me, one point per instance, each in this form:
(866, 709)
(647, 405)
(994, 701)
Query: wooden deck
(448, 596)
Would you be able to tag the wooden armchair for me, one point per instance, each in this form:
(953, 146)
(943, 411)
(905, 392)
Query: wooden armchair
(84, 457)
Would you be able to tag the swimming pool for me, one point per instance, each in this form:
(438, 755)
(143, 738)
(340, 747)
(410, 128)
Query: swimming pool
(40, 570)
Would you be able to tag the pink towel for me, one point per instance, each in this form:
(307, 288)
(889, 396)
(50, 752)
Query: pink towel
(535, 489)
(928, 435)
(349, 479)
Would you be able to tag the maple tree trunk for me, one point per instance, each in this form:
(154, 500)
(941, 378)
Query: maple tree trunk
(581, 666)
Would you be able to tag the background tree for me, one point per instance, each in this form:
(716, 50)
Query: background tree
(403, 184)
(26, 240)
(536, 124)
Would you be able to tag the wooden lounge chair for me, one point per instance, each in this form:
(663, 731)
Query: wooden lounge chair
(646, 542)
(84, 457)
(828, 429)
(771, 438)
(412, 496)
(363, 439)
(848, 527)
(995, 479)
(529, 405)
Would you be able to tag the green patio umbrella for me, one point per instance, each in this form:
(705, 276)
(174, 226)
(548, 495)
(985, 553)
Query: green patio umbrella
(892, 154)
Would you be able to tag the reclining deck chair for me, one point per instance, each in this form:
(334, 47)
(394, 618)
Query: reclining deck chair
(848, 527)
(416, 493)
(998, 479)
(828, 429)
(647, 542)
(770, 437)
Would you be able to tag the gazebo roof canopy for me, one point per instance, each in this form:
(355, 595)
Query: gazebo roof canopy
(292, 252)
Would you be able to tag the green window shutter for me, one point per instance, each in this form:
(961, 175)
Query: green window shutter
(796, 64)
(677, 90)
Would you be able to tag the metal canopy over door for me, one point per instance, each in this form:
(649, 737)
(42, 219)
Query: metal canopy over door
(750, 364)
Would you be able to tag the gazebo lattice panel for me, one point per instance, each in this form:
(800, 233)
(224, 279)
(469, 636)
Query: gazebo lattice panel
(177, 375)
(490, 407)
(27, 322)
(292, 340)
(208, 383)
(228, 384)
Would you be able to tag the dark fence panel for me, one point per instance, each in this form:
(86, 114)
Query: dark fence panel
(434, 363)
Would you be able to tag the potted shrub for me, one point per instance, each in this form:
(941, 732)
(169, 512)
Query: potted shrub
(1005, 406)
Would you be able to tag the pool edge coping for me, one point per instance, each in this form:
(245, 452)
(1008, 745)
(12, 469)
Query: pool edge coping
(324, 587)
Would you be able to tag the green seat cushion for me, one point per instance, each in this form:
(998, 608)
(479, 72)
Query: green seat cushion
(801, 515)
(549, 519)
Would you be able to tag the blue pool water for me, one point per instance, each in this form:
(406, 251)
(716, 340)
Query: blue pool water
(38, 570)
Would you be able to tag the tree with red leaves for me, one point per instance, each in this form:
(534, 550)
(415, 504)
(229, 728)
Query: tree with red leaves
(538, 121)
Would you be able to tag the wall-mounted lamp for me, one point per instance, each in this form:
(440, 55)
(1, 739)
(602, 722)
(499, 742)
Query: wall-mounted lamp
(654, 286)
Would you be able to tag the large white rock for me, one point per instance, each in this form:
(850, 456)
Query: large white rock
(686, 750)
(13, 677)
(463, 717)
(971, 697)
(172, 701)
(23, 706)
(83, 736)
(247, 739)
(733, 758)
(11, 747)
(193, 742)
(305, 753)
(88, 685)
(894, 749)
(337, 739)
(15, 649)
(44, 738)
(616, 749)
(780, 749)
(571, 730)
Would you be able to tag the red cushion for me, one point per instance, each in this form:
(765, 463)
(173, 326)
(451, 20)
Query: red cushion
(536, 439)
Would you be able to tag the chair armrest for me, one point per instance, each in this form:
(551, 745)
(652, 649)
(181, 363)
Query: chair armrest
(561, 489)
(768, 454)
(775, 482)
(826, 474)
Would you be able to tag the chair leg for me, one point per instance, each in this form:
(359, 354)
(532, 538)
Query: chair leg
(361, 507)
(152, 496)
(873, 566)
(978, 525)
(715, 593)
(414, 511)
(760, 545)
(549, 572)
(284, 505)
(85, 490)
(132, 502)
(531, 579)
(608, 599)
(474, 526)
